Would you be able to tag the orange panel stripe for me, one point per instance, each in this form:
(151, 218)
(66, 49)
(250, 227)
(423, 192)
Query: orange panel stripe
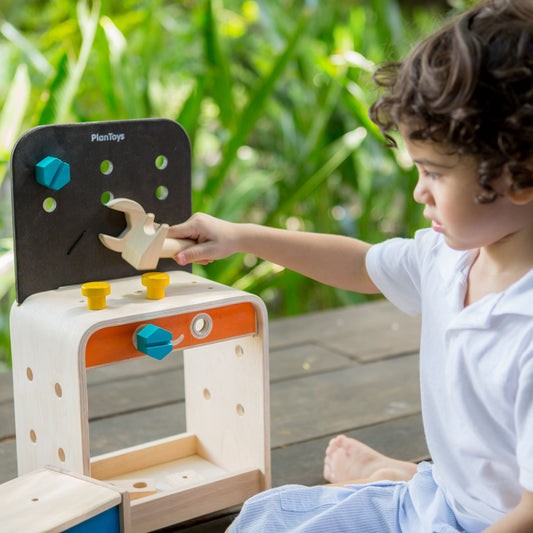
(115, 343)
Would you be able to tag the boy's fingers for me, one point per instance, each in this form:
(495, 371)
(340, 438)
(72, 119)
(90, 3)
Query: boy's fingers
(194, 228)
(195, 254)
(181, 231)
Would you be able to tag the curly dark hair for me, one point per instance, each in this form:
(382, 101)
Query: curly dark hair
(469, 86)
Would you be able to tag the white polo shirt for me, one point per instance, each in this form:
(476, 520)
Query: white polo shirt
(476, 373)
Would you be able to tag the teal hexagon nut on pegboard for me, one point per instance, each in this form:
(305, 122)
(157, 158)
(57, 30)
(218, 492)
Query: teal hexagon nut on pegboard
(154, 341)
(52, 173)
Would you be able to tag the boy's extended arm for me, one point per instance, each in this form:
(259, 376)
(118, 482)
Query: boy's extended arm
(519, 520)
(332, 259)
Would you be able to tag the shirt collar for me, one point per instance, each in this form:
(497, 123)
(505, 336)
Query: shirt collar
(454, 266)
(518, 298)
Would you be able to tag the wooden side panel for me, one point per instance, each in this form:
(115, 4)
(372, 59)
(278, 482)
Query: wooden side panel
(225, 390)
(50, 390)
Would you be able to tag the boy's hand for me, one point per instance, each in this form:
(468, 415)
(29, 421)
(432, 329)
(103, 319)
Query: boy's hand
(216, 239)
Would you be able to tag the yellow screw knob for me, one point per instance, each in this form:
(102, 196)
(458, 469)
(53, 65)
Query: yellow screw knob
(155, 283)
(96, 292)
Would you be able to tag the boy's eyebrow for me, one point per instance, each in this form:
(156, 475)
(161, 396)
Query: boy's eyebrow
(427, 162)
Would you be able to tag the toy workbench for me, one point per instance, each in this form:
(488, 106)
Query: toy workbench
(97, 285)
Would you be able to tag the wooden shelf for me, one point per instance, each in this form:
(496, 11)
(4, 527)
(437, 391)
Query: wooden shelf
(186, 484)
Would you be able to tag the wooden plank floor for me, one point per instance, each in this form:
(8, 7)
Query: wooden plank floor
(352, 370)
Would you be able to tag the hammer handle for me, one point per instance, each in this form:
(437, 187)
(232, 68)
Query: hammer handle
(172, 247)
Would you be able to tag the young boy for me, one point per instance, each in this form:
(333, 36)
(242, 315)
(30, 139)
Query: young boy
(463, 104)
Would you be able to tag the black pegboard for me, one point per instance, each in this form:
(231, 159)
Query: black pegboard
(58, 248)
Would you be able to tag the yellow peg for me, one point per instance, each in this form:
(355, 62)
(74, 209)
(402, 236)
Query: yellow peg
(96, 292)
(155, 283)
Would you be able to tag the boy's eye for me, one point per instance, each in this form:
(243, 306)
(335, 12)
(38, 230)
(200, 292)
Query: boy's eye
(431, 175)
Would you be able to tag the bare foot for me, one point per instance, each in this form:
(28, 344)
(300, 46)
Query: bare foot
(348, 460)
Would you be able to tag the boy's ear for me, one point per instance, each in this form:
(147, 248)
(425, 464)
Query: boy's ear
(520, 196)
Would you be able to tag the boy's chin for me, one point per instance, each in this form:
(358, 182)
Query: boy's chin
(454, 245)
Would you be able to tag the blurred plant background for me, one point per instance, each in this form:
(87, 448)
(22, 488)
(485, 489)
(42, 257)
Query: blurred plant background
(274, 95)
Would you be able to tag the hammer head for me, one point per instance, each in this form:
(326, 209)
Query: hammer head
(142, 240)
(144, 245)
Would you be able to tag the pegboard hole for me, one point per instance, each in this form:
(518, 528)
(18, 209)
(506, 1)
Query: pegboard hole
(49, 205)
(207, 394)
(33, 435)
(29, 374)
(35, 499)
(239, 352)
(61, 455)
(106, 197)
(240, 409)
(161, 162)
(106, 167)
(161, 193)
(59, 390)
(201, 326)
(140, 485)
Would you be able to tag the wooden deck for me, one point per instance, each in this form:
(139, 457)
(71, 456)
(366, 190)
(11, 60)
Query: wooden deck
(352, 370)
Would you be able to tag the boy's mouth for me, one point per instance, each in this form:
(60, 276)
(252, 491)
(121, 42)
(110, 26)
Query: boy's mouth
(437, 226)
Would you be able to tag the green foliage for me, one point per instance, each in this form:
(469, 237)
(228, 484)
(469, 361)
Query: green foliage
(274, 95)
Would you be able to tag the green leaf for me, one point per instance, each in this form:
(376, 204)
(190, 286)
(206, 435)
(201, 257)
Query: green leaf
(355, 101)
(263, 270)
(253, 110)
(190, 112)
(14, 110)
(35, 57)
(126, 97)
(7, 280)
(321, 118)
(339, 151)
(389, 25)
(7, 272)
(219, 63)
(244, 195)
(55, 90)
(68, 78)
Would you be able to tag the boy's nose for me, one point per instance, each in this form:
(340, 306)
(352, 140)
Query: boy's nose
(421, 194)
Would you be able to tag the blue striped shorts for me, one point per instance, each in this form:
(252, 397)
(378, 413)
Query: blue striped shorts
(417, 506)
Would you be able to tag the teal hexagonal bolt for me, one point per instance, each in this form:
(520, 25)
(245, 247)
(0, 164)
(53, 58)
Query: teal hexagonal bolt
(154, 341)
(52, 173)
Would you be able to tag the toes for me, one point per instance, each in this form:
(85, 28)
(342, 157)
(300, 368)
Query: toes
(331, 448)
(335, 443)
(346, 442)
(328, 474)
